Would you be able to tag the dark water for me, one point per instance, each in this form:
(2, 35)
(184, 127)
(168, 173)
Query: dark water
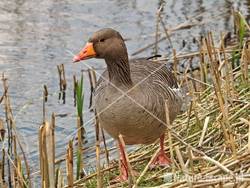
(35, 36)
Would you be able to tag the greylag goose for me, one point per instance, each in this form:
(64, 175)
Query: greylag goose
(130, 95)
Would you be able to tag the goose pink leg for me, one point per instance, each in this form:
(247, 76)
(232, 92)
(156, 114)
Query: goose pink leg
(123, 166)
(161, 159)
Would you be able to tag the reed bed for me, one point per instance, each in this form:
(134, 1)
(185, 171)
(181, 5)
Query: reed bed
(209, 144)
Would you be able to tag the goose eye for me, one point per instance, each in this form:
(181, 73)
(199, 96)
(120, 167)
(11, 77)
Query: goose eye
(101, 40)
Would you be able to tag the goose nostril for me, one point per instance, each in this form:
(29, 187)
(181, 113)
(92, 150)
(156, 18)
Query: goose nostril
(76, 58)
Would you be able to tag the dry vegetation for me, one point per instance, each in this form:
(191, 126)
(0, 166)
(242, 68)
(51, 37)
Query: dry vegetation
(209, 144)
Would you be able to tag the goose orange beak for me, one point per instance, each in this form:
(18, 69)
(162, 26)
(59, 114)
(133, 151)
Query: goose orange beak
(86, 53)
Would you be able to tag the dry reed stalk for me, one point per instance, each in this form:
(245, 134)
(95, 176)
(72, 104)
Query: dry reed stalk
(247, 123)
(18, 177)
(157, 175)
(194, 101)
(19, 174)
(166, 31)
(24, 157)
(62, 81)
(192, 74)
(53, 125)
(93, 175)
(15, 156)
(246, 184)
(227, 163)
(2, 172)
(245, 61)
(193, 21)
(2, 130)
(49, 132)
(182, 164)
(43, 156)
(108, 169)
(189, 115)
(60, 178)
(60, 76)
(239, 111)
(201, 154)
(145, 169)
(69, 164)
(175, 63)
(217, 86)
(196, 80)
(91, 88)
(158, 14)
(203, 65)
(61, 72)
(218, 165)
(203, 131)
(44, 106)
(227, 72)
(64, 78)
(47, 153)
(57, 177)
(214, 66)
(170, 137)
(190, 157)
(4, 93)
(181, 26)
(98, 163)
(184, 56)
(11, 127)
(105, 147)
(45, 93)
(132, 161)
(92, 80)
(225, 131)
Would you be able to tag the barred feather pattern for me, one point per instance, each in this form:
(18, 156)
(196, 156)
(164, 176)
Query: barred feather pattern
(139, 115)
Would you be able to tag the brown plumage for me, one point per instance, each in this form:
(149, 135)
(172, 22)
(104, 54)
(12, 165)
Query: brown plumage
(125, 116)
(130, 95)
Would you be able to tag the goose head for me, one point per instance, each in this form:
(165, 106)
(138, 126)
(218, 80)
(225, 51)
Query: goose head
(104, 44)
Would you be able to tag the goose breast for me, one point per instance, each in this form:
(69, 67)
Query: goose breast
(138, 112)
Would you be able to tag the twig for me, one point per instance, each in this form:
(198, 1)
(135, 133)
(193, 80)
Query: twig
(69, 164)
(146, 168)
(204, 131)
(98, 164)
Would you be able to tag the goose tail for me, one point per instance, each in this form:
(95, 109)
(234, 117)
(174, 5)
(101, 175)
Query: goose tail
(185, 99)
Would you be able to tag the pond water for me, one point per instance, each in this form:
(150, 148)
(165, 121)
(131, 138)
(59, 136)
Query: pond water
(36, 36)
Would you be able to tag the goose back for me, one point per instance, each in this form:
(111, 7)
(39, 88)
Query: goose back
(138, 112)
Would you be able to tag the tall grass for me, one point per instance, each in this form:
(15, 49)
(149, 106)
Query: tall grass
(79, 98)
(242, 31)
(80, 133)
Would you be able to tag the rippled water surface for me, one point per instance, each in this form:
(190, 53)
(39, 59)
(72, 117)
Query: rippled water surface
(35, 36)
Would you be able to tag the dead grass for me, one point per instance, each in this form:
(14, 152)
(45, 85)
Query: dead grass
(209, 144)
